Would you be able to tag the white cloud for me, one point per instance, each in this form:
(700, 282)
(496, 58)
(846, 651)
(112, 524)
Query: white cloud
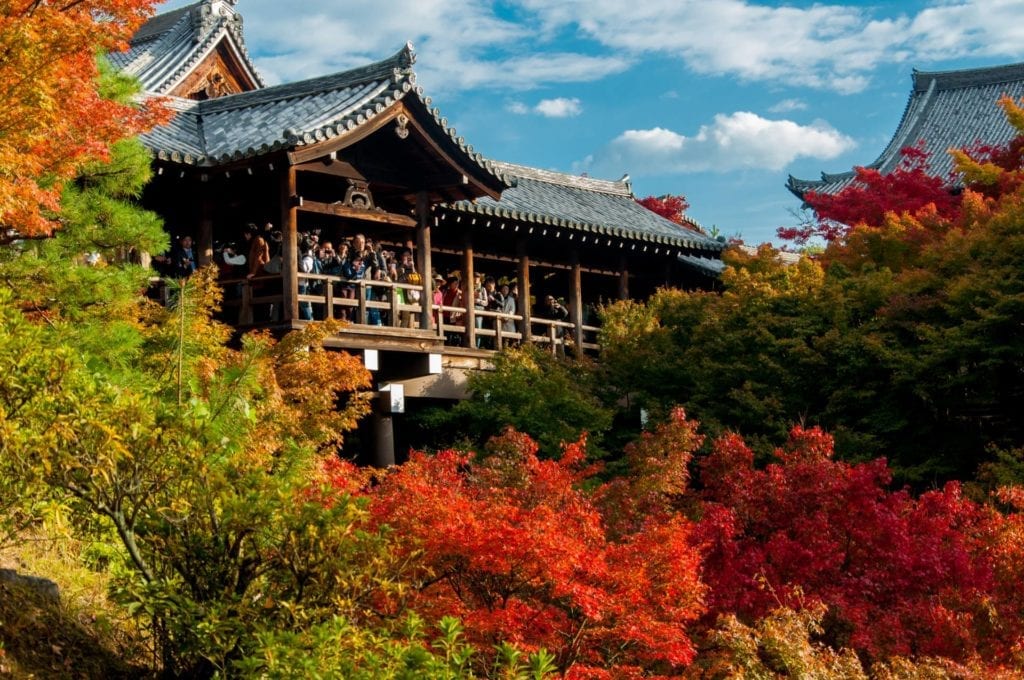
(824, 46)
(517, 107)
(560, 107)
(788, 105)
(466, 44)
(736, 141)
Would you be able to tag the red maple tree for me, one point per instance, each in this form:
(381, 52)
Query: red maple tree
(617, 578)
(514, 547)
(901, 575)
(909, 188)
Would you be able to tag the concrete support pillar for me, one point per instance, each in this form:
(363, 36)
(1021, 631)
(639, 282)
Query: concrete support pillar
(383, 439)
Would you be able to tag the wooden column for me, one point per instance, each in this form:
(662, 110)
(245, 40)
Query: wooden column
(576, 300)
(468, 292)
(423, 260)
(290, 251)
(623, 279)
(204, 240)
(524, 307)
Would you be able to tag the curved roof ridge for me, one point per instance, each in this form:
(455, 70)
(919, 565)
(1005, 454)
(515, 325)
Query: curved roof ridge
(619, 187)
(168, 47)
(398, 67)
(968, 77)
(159, 24)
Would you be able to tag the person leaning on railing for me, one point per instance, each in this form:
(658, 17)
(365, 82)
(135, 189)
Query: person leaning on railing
(307, 264)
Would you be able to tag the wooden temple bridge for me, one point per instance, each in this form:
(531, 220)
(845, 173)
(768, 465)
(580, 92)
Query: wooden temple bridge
(364, 151)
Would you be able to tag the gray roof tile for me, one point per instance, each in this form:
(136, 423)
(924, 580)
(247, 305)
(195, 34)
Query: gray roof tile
(166, 48)
(946, 110)
(583, 204)
(292, 115)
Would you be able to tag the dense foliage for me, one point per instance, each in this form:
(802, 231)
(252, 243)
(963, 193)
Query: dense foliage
(648, 573)
(53, 117)
(554, 400)
(900, 338)
(202, 469)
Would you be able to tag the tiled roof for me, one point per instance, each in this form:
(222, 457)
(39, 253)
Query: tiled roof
(709, 266)
(582, 204)
(289, 116)
(946, 110)
(167, 47)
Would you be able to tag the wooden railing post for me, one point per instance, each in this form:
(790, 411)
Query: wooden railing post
(289, 255)
(623, 278)
(204, 242)
(524, 291)
(361, 318)
(329, 299)
(245, 312)
(394, 307)
(576, 302)
(423, 260)
(469, 292)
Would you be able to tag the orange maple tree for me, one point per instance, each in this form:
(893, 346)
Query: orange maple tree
(52, 115)
(516, 548)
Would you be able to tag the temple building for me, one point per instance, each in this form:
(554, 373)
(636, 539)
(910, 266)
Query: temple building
(946, 110)
(364, 152)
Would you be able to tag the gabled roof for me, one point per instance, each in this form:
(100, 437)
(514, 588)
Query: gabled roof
(165, 49)
(946, 110)
(294, 115)
(582, 204)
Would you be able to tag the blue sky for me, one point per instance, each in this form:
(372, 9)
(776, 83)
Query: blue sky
(719, 100)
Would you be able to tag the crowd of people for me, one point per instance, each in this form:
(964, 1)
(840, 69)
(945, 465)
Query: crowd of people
(358, 259)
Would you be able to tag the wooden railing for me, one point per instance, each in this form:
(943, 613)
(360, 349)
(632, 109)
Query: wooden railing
(366, 303)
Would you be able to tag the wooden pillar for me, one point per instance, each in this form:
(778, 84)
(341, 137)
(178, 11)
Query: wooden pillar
(423, 260)
(204, 240)
(290, 251)
(468, 292)
(623, 279)
(524, 291)
(576, 300)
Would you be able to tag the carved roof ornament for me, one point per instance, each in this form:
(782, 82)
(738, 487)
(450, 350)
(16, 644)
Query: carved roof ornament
(214, 85)
(407, 57)
(358, 196)
(206, 16)
(402, 126)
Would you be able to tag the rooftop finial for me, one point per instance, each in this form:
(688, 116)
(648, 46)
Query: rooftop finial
(408, 55)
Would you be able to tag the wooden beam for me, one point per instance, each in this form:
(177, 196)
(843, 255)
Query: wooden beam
(576, 300)
(533, 263)
(524, 306)
(423, 260)
(341, 210)
(330, 166)
(313, 152)
(289, 259)
(470, 180)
